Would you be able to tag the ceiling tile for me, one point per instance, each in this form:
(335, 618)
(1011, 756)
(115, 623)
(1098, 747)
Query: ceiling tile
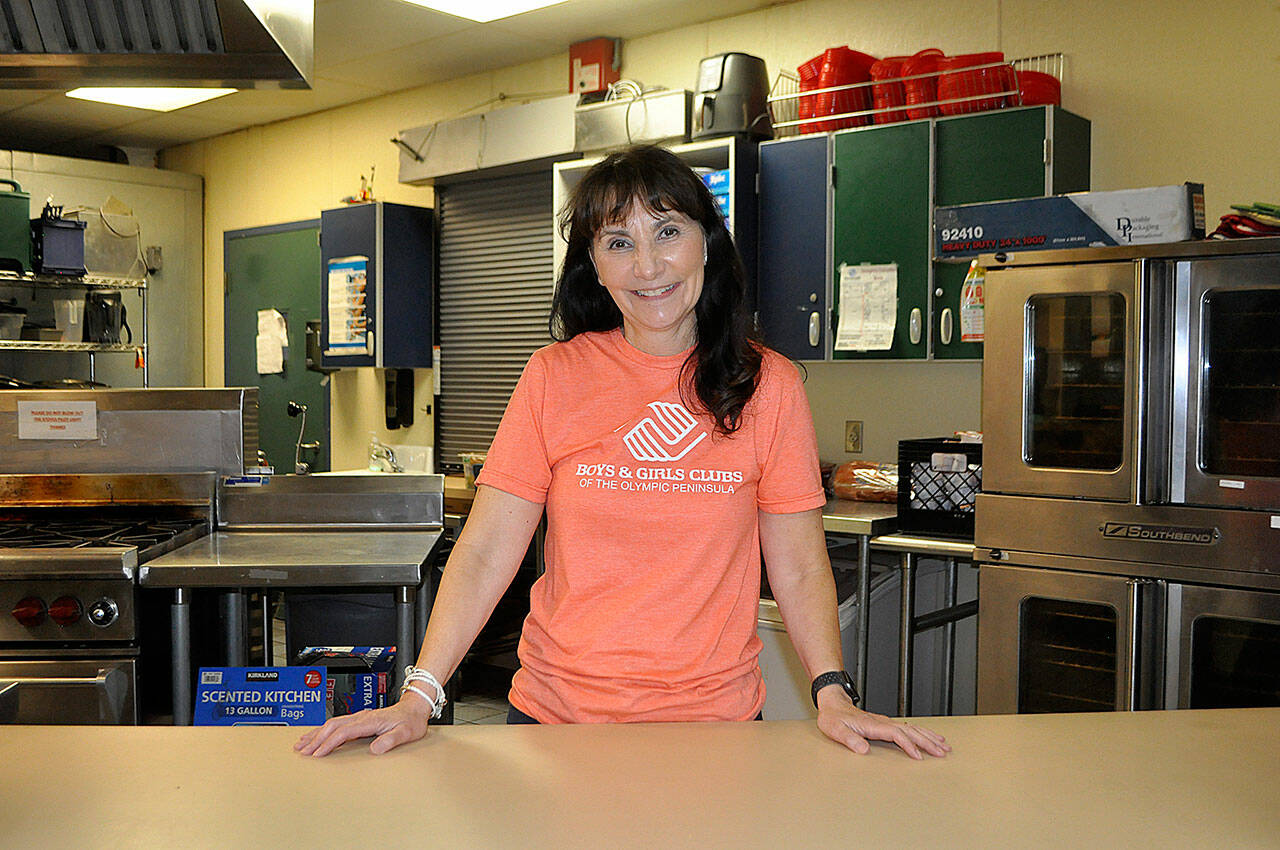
(579, 20)
(448, 57)
(162, 130)
(348, 30)
(262, 106)
(85, 116)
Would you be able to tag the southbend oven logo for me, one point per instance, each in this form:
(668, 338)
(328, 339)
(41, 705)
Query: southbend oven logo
(1160, 533)
(665, 434)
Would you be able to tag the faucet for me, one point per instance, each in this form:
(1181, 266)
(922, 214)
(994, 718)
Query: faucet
(296, 409)
(382, 458)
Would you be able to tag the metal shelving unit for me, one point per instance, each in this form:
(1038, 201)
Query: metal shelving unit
(84, 282)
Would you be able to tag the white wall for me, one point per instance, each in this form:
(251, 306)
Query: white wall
(1176, 91)
(168, 205)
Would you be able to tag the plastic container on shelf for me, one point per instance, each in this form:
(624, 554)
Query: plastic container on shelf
(836, 66)
(887, 90)
(921, 89)
(1036, 88)
(963, 77)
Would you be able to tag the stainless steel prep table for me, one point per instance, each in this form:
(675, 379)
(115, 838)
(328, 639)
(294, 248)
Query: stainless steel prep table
(237, 560)
(863, 520)
(872, 523)
(909, 548)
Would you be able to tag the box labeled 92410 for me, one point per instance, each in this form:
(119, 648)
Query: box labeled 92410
(1077, 220)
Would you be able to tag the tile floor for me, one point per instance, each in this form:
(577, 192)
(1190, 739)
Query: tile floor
(468, 709)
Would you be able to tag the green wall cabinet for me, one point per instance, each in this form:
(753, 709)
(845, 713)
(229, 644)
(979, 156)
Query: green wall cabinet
(887, 180)
(882, 216)
(993, 156)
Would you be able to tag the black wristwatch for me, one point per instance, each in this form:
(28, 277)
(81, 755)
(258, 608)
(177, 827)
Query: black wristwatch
(835, 677)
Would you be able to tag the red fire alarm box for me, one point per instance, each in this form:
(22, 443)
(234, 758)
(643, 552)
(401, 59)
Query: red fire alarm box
(594, 64)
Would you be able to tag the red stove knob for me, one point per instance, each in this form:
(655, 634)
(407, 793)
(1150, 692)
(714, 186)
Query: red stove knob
(65, 610)
(29, 611)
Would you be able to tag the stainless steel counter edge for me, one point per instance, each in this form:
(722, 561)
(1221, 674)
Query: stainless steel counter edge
(1119, 253)
(298, 559)
(843, 516)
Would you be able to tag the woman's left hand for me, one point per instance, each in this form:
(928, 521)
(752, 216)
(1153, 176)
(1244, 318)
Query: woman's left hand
(843, 722)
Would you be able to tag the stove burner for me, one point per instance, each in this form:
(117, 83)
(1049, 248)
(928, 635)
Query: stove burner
(122, 533)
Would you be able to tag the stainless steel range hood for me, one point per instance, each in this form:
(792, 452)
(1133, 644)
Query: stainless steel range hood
(58, 44)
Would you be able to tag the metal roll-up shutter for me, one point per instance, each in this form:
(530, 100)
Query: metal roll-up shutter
(496, 280)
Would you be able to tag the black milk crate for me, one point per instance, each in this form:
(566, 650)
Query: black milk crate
(938, 483)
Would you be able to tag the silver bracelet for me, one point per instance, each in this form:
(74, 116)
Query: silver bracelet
(416, 674)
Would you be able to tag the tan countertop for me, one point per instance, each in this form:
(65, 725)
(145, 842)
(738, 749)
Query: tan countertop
(1156, 779)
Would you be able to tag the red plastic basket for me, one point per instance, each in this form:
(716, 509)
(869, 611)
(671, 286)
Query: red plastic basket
(837, 66)
(887, 91)
(924, 89)
(960, 79)
(1039, 89)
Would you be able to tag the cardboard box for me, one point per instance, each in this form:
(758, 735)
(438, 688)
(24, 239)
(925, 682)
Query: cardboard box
(1078, 220)
(357, 677)
(260, 696)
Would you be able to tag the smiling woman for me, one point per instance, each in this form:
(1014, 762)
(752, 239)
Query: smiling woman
(668, 451)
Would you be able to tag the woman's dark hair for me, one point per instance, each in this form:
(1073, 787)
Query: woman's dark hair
(724, 366)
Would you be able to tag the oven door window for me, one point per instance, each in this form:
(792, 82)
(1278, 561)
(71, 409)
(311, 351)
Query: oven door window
(1233, 663)
(1076, 381)
(1241, 379)
(1067, 656)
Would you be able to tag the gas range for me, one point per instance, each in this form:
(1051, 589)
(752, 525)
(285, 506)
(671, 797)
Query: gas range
(70, 547)
(68, 575)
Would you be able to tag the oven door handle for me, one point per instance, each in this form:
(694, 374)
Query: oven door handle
(111, 685)
(1133, 616)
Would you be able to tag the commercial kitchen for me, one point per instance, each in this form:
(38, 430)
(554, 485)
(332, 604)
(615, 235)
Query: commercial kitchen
(253, 351)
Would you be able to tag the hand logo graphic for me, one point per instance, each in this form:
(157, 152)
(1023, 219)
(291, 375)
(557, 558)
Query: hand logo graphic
(658, 437)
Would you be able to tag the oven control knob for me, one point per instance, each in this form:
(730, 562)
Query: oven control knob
(103, 612)
(65, 610)
(29, 611)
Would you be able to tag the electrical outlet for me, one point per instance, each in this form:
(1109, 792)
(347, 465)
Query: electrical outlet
(853, 436)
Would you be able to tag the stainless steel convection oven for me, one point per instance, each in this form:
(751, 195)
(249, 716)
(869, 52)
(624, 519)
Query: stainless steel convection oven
(1128, 533)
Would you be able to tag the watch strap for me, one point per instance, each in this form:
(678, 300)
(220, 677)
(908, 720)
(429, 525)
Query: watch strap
(834, 677)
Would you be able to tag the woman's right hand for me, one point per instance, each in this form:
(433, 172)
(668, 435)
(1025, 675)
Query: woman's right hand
(390, 727)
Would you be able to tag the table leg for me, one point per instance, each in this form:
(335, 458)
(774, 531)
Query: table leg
(267, 631)
(864, 614)
(949, 637)
(236, 627)
(906, 632)
(404, 634)
(180, 624)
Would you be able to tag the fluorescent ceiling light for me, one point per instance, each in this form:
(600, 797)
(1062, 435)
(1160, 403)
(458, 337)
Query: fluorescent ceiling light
(484, 10)
(144, 97)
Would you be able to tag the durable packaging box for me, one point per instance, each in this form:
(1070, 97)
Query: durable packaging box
(1077, 220)
(357, 676)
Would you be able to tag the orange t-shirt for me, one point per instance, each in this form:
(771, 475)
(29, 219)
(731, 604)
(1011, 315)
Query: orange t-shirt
(648, 607)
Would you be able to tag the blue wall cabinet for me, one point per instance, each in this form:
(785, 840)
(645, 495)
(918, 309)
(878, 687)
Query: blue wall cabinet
(795, 245)
(377, 272)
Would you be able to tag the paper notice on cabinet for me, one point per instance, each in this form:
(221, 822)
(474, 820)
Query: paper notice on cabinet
(272, 341)
(57, 420)
(348, 307)
(868, 307)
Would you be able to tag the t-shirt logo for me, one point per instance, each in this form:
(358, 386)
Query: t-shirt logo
(665, 435)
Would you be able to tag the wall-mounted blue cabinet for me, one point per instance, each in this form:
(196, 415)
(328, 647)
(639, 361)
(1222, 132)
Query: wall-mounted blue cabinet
(377, 282)
(795, 249)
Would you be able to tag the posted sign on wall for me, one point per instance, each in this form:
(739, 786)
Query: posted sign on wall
(57, 420)
(260, 696)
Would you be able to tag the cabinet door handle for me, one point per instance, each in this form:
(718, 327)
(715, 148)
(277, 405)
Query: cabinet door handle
(945, 326)
(915, 325)
(815, 328)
